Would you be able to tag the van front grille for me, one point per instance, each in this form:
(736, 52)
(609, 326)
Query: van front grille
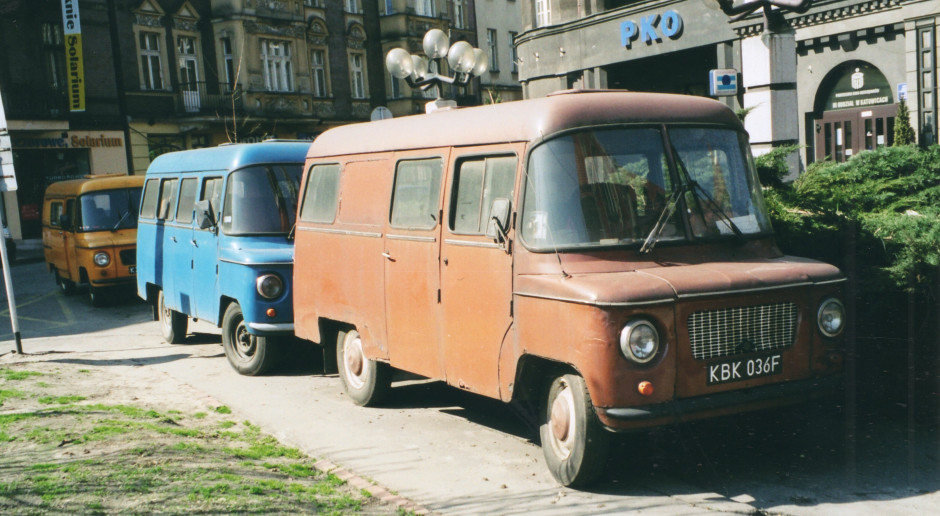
(735, 331)
(128, 257)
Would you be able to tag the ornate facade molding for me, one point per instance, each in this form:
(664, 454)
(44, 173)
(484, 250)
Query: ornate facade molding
(754, 25)
(148, 20)
(290, 31)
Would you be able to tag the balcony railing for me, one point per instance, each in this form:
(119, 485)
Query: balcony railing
(27, 102)
(195, 98)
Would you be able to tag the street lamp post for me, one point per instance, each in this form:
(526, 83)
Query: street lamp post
(422, 72)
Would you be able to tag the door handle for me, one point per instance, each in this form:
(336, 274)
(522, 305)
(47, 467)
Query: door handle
(388, 256)
(194, 243)
(173, 239)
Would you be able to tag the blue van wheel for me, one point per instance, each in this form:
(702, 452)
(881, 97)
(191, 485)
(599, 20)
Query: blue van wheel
(172, 323)
(250, 355)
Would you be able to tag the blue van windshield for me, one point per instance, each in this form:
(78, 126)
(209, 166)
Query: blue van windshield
(261, 199)
(109, 210)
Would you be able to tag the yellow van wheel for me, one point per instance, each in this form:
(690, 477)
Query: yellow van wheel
(67, 287)
(573, 441)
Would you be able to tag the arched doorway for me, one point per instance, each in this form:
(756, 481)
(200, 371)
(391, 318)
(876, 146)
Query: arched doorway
(854, 111)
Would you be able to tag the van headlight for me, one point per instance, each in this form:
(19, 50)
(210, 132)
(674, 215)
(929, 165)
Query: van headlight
(639, 341)
(270, 286)
(102, 259)
(831, 317)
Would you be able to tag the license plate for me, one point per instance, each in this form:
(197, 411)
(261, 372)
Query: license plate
(744, 369)
(132, 270)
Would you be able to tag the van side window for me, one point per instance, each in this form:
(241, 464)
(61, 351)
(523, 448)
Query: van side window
(477, 183)
(184, 212)
(167, 199)
(148, 208)
(212, 191)
(55, 214)
(321, 194)
(416, 193)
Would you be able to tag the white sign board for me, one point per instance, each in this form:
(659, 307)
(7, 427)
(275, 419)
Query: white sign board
(722, 82)
(8, 180)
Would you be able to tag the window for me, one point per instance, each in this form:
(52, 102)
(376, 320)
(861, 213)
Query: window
(492, 49)
(261, 199)
(167, 199)
(351, 6)
(318, 64)
(416, 193)
(477, 184)
(184, 212)
(151, 68)
(55, 214)
(276, 65)
(513, 56)
(109, 209)
(395, 87)
(424, 7)
(460, 14)
(358, 80)
(53, 57)
(321, 195)
(389, 7)
(148, 209)
(212, 192)
(228, 58)
(543, 13)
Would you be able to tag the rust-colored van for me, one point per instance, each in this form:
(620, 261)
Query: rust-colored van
(89, 232)
(607, 255)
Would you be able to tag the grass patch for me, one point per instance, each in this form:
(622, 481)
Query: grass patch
(65, 457)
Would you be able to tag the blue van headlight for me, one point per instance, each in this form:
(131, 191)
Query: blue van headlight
(270, 286)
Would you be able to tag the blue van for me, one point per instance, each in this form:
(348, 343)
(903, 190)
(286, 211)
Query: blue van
(214, 243)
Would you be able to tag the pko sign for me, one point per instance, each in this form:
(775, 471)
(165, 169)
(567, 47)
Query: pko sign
(650, 28)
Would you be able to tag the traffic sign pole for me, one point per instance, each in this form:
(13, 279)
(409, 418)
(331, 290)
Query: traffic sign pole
(11, 302)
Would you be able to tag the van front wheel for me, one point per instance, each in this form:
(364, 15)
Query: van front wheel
(573, 441)
(250, 355)
(67, 287)
(172, 323)
(366, 381)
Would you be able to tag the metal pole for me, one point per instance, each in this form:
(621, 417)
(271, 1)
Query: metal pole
(8, 282)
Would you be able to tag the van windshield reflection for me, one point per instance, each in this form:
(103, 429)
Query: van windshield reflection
(109, 210)
(616, 186)
(261, 199)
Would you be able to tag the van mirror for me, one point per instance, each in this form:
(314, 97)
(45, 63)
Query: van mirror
(498, 225)
(205, 219)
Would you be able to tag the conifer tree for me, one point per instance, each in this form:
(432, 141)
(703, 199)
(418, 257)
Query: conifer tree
(903, 132)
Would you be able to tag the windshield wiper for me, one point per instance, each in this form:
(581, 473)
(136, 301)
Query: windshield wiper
(692, 186)
(120, 220)
(653, 237)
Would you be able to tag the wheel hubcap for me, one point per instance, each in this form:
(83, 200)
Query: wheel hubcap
(561, 422)
(244, 341)
(354, 361)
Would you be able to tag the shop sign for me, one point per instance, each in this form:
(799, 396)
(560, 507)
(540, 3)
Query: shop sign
(862, 85)
(650, 28)
(72, 29)
(73, 141)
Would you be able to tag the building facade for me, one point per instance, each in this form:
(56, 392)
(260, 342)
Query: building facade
(498, 23)
(105, 86)
(828, 78)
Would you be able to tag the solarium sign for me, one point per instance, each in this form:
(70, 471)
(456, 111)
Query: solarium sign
(651, 29)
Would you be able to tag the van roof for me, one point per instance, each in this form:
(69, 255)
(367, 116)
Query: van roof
(93, 184)
(524, 120)
(229, 157)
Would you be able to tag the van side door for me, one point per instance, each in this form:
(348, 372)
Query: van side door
(476, 270)
(179, 231)
(205, 244)
(412, 265)
(53, 235)
(169, 244)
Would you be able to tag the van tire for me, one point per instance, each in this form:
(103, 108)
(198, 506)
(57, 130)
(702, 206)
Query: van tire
(573, 441)
(250, 355)
(172, 323)
(97, 296)
(366, 381)
(66, 287)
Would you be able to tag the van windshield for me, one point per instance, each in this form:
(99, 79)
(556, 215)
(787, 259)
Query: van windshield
(261, 199)
(620, 186)
(109, 210)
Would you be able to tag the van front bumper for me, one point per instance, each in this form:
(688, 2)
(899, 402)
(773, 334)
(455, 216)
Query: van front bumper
(730, 402)
(271, 328)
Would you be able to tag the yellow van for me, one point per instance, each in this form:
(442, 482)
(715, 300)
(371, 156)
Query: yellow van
(89, 233)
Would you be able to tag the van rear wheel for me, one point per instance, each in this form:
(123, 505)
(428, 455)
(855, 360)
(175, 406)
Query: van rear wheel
(366, 381)
(573, 441)
(250, 355)
(67, 287)
(172, 323)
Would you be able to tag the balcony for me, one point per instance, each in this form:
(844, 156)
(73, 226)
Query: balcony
(27, 102)
(192, 100)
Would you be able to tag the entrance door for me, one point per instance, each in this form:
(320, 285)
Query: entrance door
(412, 267)
(844, 133)
(189, 74)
